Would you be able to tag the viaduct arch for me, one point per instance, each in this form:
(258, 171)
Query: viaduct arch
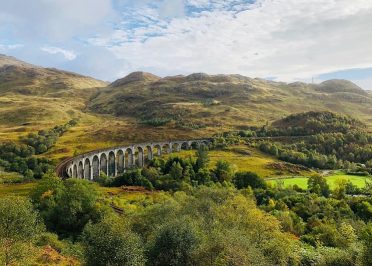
(114, 161)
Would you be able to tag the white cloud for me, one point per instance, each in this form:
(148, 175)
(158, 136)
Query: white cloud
(6, 47)
(68, 55)
(287, 39)
(54, 20)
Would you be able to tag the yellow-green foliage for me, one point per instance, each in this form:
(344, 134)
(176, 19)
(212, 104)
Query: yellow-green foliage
(16, 189)
(332, 180)
(133, 201)
(199, 107)
(243, 158)
(10, 177)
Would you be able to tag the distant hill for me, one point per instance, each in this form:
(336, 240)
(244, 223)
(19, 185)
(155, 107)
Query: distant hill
(32, 97)
(143, 107)
(319, 122)
(23, 78)
(201, 100)
(340, 85)
(135, 77)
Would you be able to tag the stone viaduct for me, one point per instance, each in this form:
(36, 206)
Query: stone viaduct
(114, 161)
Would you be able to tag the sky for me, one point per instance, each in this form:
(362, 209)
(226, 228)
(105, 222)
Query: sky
(281, 40)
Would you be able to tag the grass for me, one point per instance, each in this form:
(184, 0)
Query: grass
(131, 199)
(244, 158)
(21, 190)
(24, 113)
(10, 177)
(332, 180)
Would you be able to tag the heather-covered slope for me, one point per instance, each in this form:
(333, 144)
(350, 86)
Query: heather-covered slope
(201, 100)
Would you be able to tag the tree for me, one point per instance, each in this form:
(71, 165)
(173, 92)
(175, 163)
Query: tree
(19, 225)
(75, 207)
(245, 179)
(340, 191)
(45, 195)
(176, 171)
(367, 247)
(317, 184)
(274, 150)
(203, 176)
(66, 206)
(223, 171)
(364, 210)
(174, 245)
(202, 157)
(110, 242)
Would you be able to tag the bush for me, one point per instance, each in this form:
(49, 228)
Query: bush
(249, 179)
(66, 206)
(19, 226)
(110, 242)
(174, 245)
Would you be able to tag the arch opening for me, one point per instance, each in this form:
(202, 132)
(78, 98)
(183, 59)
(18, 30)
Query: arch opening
(74, 171)
(176, 147)
(185, 146)
(111, 164)
(69, 172)
(129, 158)
(140, 157)
(194, 145)
(87, 169)
(95, 167)
(156, 150)
(103, 164)
(148, 153)
(166, 148)
(120, 162)
(80, 170)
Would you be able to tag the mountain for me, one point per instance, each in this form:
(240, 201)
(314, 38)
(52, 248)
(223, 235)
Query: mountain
(34, 98)
(142, 106)
(340, 85)
(135, 77)
(23, 78)
(12, 61)
(224, 101)
(325, 122)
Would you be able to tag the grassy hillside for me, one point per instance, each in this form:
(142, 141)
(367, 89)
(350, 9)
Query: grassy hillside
(34, 98)
(221, 101)
(319, 122)
(142, 106)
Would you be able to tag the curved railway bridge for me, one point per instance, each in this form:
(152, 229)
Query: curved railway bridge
(114, 161)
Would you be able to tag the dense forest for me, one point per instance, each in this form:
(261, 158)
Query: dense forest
(209, 217)
(322, 140)
(190, 213)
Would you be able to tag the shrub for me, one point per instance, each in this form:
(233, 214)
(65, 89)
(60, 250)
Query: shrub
(245, 179)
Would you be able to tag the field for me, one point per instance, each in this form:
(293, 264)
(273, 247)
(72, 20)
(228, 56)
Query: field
(132, 199)
(245, 158)
(21, 190)
(127, 199)
(33, 99)
(332, 180)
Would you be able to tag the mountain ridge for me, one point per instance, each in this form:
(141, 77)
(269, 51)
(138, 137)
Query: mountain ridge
(157, 98)
(17, 76)
(143, 106)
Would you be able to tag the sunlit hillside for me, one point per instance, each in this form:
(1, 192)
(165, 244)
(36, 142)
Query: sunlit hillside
(143, 106)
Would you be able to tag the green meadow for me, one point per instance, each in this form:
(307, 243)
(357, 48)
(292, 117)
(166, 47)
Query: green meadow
(332, 180)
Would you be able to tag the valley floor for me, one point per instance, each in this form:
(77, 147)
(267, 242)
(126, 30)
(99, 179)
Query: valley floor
(241, 157)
